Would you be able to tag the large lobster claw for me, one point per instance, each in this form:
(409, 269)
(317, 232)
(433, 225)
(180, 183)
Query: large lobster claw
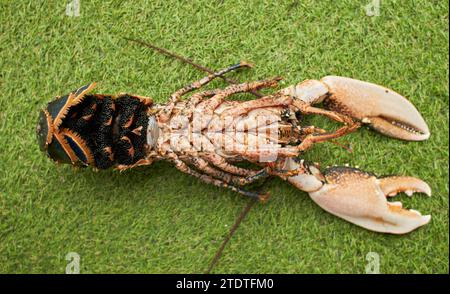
(381, 108)
(361, 198)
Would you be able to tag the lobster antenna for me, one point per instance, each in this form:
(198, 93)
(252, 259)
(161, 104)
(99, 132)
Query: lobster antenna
(186, 60)
(347, 146)
(233, 229)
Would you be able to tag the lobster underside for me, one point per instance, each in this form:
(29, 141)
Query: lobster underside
(127, 130)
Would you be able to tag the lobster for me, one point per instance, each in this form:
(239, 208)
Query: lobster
(207, 133)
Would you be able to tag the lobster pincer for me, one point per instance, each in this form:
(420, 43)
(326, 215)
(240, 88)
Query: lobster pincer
(361, 197)
(381, 108)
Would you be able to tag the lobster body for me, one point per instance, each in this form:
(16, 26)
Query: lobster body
(233, 134)
(205, 134)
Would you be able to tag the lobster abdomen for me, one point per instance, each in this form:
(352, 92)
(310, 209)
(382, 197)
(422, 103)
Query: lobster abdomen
(93, 129)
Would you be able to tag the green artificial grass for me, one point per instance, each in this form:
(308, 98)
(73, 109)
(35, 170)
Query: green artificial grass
(157, 220)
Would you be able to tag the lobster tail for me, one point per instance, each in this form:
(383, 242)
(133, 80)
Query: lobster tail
(96, 130)
(129, 136)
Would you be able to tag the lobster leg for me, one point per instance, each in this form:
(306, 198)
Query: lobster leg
(188, 107)
(265, 102)
(310, 140)
(306, 108)
(183, 167)
(198, 84)
(210, 105)
(196, 99)
(204, 167)
(285, 100)
(204, 111)
(175, 97)
(221, 163)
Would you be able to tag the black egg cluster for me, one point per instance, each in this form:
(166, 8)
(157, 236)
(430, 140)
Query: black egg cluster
(114, 129)
(129, 136)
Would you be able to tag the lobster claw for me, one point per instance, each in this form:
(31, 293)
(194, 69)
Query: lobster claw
(360, 197)
(381, 108)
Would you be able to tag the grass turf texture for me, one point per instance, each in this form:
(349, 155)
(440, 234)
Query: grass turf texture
(157, 220)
